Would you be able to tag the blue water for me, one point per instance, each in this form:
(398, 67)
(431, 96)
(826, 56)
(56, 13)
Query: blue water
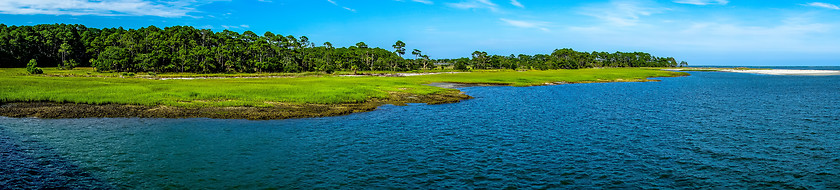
(709, 130)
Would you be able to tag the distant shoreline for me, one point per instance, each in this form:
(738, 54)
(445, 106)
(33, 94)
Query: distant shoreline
(789, 72)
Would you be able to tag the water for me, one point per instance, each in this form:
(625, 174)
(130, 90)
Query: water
(708, 130)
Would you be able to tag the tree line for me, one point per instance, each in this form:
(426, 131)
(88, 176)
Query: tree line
(187, 49)
(565, 58)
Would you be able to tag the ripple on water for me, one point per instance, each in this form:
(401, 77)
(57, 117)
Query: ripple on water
(27, 164)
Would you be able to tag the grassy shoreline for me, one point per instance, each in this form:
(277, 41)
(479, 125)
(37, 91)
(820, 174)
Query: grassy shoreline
(291, 96)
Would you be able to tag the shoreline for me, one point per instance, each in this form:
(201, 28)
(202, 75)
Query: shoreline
(787, 72)
(269, 99)
(56, 110)
(783, 72)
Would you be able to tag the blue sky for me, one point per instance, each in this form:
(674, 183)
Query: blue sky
(702, 32)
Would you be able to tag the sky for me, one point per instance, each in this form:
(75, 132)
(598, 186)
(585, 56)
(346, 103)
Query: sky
(701, 32)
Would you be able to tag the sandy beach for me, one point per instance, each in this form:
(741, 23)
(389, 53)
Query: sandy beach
(787, 72)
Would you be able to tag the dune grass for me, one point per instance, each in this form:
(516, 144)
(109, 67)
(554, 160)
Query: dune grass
(85, 86)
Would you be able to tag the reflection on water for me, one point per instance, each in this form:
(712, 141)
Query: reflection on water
(709, 130)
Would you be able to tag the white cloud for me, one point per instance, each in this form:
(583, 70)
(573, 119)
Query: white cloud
(700, 39)
(343, 7)
(178, 8)
(424, 2)
(475, 4)
(242, 26)
(620, 13)
(791, 35)
(703, 2)
(516, 3)
(526, 24)
(823, 5)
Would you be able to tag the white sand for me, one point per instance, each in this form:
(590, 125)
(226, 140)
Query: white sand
(787, 72)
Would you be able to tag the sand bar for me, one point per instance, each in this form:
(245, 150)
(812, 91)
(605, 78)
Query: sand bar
(787, 72)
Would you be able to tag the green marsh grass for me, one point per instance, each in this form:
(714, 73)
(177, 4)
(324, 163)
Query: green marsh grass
(83, 85)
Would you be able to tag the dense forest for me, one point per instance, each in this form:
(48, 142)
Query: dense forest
(187, 49)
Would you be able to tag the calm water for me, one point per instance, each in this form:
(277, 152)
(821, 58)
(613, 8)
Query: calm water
(709, 130)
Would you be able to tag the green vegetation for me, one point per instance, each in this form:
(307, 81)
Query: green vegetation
(18, 86)
(187, 49)
(536, 78)
(32, 67)
(182, 71)
(91, 72)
